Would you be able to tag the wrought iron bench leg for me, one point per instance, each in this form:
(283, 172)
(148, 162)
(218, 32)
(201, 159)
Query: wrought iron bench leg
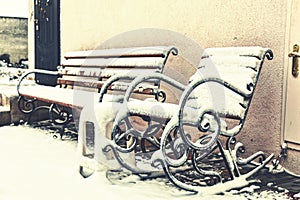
(28, 106)
(233, 162)
(59, 116)
(56, 115)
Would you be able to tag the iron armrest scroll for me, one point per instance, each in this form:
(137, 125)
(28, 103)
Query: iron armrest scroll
(36, 71)
(108, 83)
(142, 78)
(136, 80)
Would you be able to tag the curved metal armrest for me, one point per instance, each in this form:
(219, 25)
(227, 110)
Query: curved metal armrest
(136, 78)
(39, 71)
(195, 83)
(113, 79)
(141, 78)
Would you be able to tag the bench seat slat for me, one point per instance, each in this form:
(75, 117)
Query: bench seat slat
(153, 109)
(65, 97)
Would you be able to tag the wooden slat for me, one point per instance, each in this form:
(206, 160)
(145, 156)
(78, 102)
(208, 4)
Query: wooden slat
(88, 72)
(236, 76)
(106, 73)
(239, 67)
(257, 52)
(221, 99)
(86, 68)
(82, 83)
(82, 67)
(147, 86)
(139, 62)
(103, 73)
(65, 97)
(156, 51)
(230, 61)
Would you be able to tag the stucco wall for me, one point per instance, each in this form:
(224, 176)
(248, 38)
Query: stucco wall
(13, 38)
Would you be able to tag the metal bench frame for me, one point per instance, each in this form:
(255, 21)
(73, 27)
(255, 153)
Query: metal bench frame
(190, 153)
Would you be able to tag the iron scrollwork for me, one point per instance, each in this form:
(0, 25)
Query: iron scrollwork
(127, 138)
(26, 105)
(59, 116)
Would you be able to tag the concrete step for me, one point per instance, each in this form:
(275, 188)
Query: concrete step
(9, 112)
(4, 100)
(5, 118)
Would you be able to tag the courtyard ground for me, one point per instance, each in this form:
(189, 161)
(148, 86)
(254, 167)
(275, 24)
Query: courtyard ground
(34, 165)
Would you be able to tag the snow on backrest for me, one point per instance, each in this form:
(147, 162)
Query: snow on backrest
(237, 66)
(257, 52)
(108, 62)
(121, 58)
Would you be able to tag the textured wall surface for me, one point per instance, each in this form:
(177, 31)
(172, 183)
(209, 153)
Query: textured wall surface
(14, 38)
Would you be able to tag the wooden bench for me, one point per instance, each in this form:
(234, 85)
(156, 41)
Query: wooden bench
(193, 142)
(79, 78)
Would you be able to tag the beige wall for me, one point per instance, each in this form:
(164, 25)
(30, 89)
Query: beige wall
(217, 23)
(207, 23)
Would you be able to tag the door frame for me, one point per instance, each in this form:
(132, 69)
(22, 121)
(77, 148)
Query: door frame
(47, 44)
(288, 68)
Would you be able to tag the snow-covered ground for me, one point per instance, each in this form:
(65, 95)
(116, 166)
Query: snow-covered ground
(35, 166)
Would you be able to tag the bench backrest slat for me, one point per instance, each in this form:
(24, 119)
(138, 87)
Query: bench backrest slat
(257, 52)
(240, 68)
(104, 73)
(155, 51)
(105, 63)
(140, 62)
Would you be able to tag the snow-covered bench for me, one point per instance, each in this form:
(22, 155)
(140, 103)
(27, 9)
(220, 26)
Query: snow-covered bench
(195, 137)
(82, 74)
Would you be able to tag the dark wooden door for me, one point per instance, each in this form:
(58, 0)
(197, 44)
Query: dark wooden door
(47, 38)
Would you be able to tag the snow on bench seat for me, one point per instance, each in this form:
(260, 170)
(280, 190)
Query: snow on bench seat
(66, 97)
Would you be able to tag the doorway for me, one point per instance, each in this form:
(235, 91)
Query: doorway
(47, 39)
(292, 104)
